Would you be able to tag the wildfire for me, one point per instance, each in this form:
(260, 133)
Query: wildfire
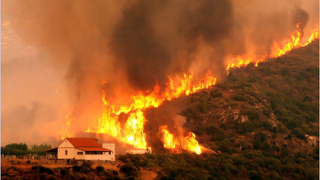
(132, 132)
(276, 50)
(64, 132)
(177, 144)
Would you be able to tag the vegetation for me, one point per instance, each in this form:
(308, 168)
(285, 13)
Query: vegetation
(85, 171)
(246, 165)
(259, 123)
(262, 123)
(269, 107)
(21, 149)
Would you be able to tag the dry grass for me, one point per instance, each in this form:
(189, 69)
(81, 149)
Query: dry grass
(23, 164)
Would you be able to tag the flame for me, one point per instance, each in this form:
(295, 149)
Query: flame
(276, 50)
(314, 35)
(295, 42)
(188, 143)
(238, 62)
(167, 139)
(132, 132)
(133, 129)
(64, 132)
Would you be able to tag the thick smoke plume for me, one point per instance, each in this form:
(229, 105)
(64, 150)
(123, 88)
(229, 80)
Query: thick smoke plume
(134, 44)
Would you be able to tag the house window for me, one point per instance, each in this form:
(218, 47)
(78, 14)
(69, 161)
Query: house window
(66, 152)
(80, 153)
(93, 152)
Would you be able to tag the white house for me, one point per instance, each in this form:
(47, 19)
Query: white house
(84, 149)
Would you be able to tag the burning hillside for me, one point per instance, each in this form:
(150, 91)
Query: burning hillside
(130, 56)
(133, 131)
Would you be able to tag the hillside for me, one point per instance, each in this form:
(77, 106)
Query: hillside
(263, 122)
(258, 123)
(279, 99)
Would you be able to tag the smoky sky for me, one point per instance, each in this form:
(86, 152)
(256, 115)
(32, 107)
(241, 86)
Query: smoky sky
(132, 37)
(138, 49)
(134, 44)
(300, 16)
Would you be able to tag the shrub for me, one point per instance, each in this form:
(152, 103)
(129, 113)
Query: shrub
(216, 93)
(238, 97)
(76, 168)
(41, 169)
(298, 133)
(129, 170)
(100, 168)
(64, 171)
(252, 114)
(253, 175)
(86, 167)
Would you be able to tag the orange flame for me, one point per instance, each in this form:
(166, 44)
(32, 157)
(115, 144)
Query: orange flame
(188, 143)
(64, 132)
(167, 139)
(276, 50)
(133, 131)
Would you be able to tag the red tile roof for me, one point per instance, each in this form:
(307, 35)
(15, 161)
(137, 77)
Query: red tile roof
(93, 149)
(84, 142)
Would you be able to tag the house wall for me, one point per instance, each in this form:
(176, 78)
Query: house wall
(62, 155)
(73, 153)
(105, 156)
(112, 147)
(79, 156)
(66, 145)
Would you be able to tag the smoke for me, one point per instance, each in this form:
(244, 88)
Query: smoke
(137, 48)
(166, 114)
(134, 44)
(301, 16)
(22, 123)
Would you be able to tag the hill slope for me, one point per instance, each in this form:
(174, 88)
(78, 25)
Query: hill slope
(278, 99)
(263, 120)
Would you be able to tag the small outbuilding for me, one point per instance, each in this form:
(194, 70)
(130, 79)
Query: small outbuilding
(140, 151)
(83, 149)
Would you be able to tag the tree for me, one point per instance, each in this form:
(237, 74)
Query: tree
(39, 149)
(18, 149)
